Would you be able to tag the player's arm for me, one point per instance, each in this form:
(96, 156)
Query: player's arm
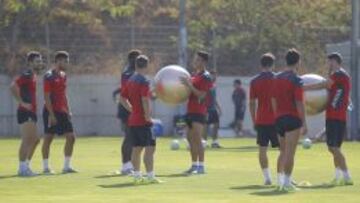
(198, 93)
(48, 104)
(115, 93)
(123, 99)
(300, 106)
(146, 106)
(273, 104)
(15, 91)
(322, 85)
(218, 107)
(252, 108)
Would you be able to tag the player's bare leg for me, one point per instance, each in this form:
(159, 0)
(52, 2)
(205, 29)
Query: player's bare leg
(291, 141)
(264, 164)
(200, 150)
(280, 160)
(68, 151)
(45, 150)
(136, 160)
(340, 166)
(215, 135)
(28, 134)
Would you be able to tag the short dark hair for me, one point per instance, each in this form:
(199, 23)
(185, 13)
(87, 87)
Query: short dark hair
(61, 55)
(30, 56)
(133, 54)
(335, 56)
(267, 60)
(204, 55)
(237, 82)
(142, 61)
(292, 57)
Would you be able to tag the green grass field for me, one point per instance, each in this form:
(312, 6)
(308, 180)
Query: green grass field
(233, 175)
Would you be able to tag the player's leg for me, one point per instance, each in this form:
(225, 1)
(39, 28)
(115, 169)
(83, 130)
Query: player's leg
(45, 150)
(192, 147)
(200, 150)
(68, 152)
(335, 131)
(215, 131)
(280, 161)
(263, 142)
(33, 144)
(136, 160)
(26, 141)
(291, 141)
(126, 150)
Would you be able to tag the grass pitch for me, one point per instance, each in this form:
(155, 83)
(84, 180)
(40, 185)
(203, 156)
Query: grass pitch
(233, 175)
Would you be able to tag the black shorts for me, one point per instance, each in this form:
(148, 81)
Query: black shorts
(266, 134)
(239, 114)
(64, 124)
(194, 117)
(213, 117)
(287, 123)
(141, 136)
(335, 132)
(25, 116)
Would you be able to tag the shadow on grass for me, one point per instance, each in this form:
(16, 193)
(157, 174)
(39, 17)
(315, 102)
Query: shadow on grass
(240, 149)
(251, 187)
(120, 185)
(321, 186)
(9, 176)
(176, 175)
(109, 176)
(269, 193)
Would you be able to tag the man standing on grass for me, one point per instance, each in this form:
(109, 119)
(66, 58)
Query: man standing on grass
(123, 115)
(338, 86)
(199, 85)
(56, 113)
(288, 105)
(23, 89)
(239, 100)
(262, 113)
(135, 97)
(213, 114)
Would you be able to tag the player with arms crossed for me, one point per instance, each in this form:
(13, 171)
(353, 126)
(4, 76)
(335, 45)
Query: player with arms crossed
(262, 113)
(338, 86)
(56, 113)
(135, 97)
(288, 105)
(199, 85)
(23, 89)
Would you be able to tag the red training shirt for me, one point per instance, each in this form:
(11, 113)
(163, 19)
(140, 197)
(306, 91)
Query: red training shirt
(287, 89)
(201, 81)
(26, 82)
(135, 88)
(261, 90)
(55, 84)
(338, 96)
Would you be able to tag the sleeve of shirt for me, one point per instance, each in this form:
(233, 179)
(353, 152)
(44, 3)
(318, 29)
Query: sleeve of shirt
(299, 92)
(145, 91)
(252, 92)
(19, 80)
(47, 85)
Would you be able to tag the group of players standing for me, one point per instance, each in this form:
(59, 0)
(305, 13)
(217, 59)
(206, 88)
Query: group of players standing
(56, 111)
(277, 111)
(276, 106)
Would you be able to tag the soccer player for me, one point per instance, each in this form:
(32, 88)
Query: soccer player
(239, 100)
(199, 85)
(338, 86)
(123, 114)
(288, 105)
(135, 97)
(56, 112)
(262, 113)
(213, 114)
(23, 89)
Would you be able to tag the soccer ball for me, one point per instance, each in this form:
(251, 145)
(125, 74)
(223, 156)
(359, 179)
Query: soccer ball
(315, 100)
(306, 143)
(175, 145)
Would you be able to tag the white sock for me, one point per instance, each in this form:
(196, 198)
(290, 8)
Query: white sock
(137, 174)
(266, 173)
(280, 179)
(151, 174)
(67, 162)
(338, 173)
(287, 180)
(45, 163)
(194, 163)
(128, 165)
(22, 165)
(201, 164)
(346, 175)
